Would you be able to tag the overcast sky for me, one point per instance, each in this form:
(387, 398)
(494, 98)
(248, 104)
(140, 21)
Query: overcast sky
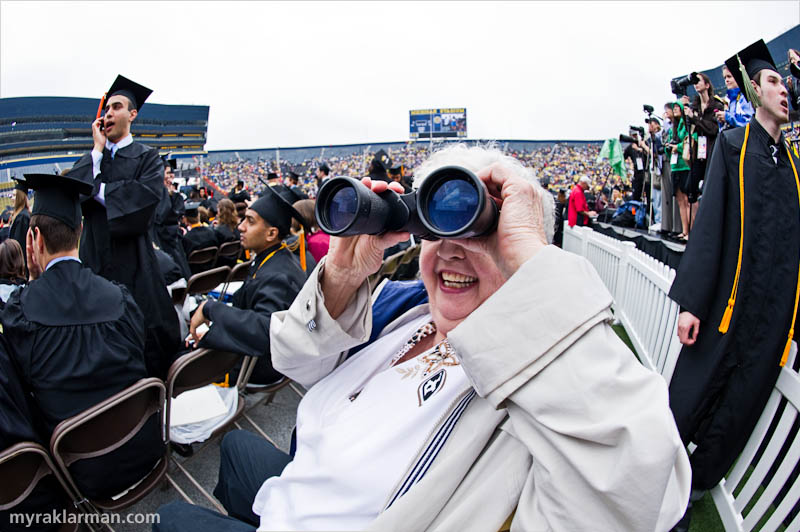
(308, 73)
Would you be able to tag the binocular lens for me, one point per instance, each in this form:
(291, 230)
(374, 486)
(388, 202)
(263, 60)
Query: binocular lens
(453, 204)
(343, 208)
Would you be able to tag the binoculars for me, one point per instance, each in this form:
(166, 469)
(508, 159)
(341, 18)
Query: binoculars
(451, 203)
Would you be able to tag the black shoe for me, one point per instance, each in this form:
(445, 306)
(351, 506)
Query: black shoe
(183, 449)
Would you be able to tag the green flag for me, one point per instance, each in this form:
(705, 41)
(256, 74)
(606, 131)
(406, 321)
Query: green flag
(612, 150)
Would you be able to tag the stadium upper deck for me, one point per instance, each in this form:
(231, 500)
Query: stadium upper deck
(52, 129)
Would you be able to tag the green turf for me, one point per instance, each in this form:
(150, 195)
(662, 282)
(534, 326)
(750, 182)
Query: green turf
(704, 514)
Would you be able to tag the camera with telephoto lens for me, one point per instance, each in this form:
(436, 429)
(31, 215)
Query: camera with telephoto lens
(649, 109)
(678, 86)
(450, 203)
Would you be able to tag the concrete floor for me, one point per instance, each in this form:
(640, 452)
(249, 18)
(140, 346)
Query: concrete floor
(276, 419)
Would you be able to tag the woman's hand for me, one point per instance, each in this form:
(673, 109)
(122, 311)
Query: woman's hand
(520, 229)
(351, 259)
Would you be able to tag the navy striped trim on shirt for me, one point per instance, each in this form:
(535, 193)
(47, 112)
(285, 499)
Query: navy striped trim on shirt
(432, 450)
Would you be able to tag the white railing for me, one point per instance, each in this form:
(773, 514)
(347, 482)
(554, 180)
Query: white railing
(639, 284)
(754, 495)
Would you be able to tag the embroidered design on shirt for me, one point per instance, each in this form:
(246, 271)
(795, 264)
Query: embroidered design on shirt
(443, 355)
(409, 373)
(431, 385)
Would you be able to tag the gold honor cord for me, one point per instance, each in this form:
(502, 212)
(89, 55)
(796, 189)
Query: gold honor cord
(302, 239)
(283, 246)
(726, 317)
(797, 290)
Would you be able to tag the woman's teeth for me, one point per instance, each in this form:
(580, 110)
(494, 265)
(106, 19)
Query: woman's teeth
(457, 280)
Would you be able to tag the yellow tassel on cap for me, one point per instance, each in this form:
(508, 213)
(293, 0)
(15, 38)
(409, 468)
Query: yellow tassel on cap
(302, 249)
(726, 317)
(787, 348)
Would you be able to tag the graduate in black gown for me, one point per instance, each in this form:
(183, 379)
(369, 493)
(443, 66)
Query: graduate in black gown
(732, 355)
(239, 194)
(22, 215)
(76, 337)
(166, 229)
(17, 425)
(274, 280)
(118, 215)
(199, 235)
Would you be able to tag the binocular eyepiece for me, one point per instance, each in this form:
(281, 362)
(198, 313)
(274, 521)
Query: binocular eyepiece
(451, 203)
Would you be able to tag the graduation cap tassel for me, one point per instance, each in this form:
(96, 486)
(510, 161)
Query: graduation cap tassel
(302, 239)
(750, 92)
(102, 104)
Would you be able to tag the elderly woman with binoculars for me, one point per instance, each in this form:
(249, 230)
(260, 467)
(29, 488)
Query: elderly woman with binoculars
(494, 390)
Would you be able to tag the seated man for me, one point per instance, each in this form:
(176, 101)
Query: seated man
(199, 235)
(274, 280)
(76, 337)
(16, 426)
(490, 398)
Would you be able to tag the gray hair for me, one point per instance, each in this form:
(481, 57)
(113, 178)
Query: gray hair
(585, 179)
(479, 157)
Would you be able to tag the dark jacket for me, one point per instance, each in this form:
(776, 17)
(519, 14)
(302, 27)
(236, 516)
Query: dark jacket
(116, 241)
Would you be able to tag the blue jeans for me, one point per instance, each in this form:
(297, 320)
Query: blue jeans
(246, 461)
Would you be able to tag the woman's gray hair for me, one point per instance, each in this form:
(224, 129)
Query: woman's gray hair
(479, 157)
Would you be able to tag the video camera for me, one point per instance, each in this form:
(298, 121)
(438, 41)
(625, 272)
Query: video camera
(451, 203)
(635, 129)
(678, 86)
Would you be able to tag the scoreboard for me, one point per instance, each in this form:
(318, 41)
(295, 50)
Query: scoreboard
(438, 123)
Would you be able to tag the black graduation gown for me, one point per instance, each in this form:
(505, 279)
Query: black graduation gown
(116, 242)
(19, 231)
(199, 237)
(239, 197)
(168, 268)
(226, 234)
(166, 232)
(17, 425)
(77, 339)
(722, 382)
(244, 327)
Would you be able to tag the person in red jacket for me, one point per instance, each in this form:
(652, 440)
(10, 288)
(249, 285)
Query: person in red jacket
(578, 210)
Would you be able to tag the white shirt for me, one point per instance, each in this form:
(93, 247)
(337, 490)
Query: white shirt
(352, 455)
(97, 157)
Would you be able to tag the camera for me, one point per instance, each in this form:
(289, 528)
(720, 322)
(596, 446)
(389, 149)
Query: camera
(648, 109)
(638, 129)
(678, 86)
(451, 203)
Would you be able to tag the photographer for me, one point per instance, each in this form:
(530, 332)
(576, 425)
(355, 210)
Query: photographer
(654, 146)
(679, 166)
(636, 153)
(701, 117)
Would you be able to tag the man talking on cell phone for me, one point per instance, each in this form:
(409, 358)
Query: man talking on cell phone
(118, 218)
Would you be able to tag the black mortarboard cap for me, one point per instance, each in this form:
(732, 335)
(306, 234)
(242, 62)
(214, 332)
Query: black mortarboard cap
(190, 207)
(278, 212)
(58, 196)
(272, 175)
(755, 58)
(136, 93)
(395, 170)
(173, 163)
(21, 184)
(382, 158)
(294, 174)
